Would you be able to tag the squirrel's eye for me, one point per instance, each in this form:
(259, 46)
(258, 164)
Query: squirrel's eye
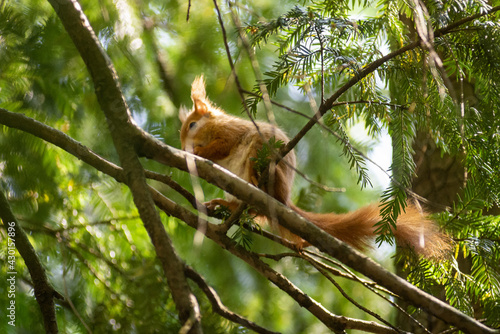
(192, 124)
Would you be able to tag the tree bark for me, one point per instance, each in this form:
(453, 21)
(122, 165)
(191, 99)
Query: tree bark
(44, 292)
(124, 133)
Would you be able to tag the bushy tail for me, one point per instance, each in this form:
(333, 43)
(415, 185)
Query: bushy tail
(413, 229)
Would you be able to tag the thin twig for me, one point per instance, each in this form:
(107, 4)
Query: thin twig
(217, 305)
(255, 66)
(369, 284)
(346, 273)
(323, 272)
(188, 11)
(175, 186)
(372, 286)
(322, 54)
(235, 216)
(231, 64)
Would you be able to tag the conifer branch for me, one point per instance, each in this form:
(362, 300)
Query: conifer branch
(327, 105)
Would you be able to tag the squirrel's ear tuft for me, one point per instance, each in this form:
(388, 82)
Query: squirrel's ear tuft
(198, 89)
(183, 113)
(202, 104)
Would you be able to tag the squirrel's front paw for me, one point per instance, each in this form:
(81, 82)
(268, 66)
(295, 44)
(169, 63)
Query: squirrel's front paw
(216, 203)
(219, 208)
(197, 150)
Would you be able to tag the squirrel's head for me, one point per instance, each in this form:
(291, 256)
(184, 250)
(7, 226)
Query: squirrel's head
(194, 120)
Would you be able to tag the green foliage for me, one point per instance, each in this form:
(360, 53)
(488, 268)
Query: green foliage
(222, 212)
(315, 50)
(471, 279)
(319, 50)
(394, 198)
(85, 227)
(354, 157)
(243, 235)
(267, 152)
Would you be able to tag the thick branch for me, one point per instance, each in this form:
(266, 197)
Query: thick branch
(123, 130)
(44, 292)
(317, 237)
(289, 219)
(334, 322)
(214, 232)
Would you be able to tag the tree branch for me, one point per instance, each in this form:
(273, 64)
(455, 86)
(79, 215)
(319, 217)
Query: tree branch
(324, 272)
(369, 285)
(217, 305)
(334, 322)
(317, 237)
(213, 231)
(287, 218)
(327, 104)
(123, 130)
(44, 292)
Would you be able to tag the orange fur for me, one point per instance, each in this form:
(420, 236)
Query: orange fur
(230, 141)
(413, 229)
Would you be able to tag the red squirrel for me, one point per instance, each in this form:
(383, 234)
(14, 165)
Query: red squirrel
(232, 142)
